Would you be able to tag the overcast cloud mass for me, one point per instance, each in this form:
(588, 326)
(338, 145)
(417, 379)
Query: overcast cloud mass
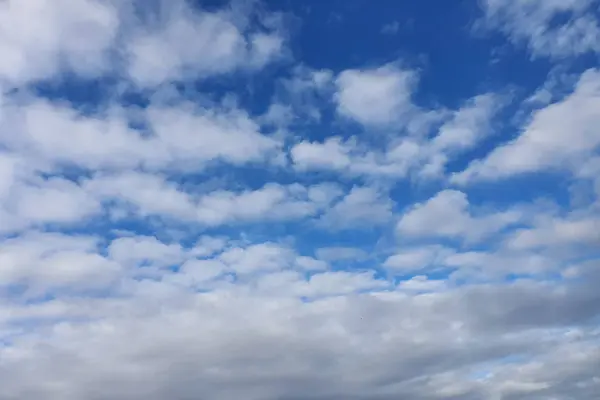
(299, 200)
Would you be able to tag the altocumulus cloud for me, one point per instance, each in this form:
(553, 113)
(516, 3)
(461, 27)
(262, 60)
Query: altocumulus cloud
(286, 201)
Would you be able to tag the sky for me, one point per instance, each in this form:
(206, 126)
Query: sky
(299, 200)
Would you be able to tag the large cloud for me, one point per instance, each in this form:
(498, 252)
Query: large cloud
(149, 42)
(171, 239)
(261, 341)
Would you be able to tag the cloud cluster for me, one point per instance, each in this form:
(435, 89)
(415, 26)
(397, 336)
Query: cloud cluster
(147, 42)
(166, 239)
(556, 29)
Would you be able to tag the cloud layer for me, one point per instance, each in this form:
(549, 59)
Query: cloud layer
(191, 209)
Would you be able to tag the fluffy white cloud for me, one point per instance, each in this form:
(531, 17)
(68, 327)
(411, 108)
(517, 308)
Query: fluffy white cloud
(378, 96)
(269, 261)
(152, 195)
(28, 201)
(184, 43)
(156, 243)
(272, 202)
(183, 137)
(259, 257)
(448, 214)
(465, 129)
(555, 232)
(468, 125)
(355, 159)
(38, 38)
(145, 251)
(417, 154)
(560, 135)
(42, 261)
(167, 41)
(332, 154)
(53, 200)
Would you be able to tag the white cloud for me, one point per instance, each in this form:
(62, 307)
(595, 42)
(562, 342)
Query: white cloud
(29, 201)
(557, 232)
(145, 251)
(200, 135)
(208, 245)
(38, 38)
(465, 129)
(44, 260)
(219, 338)
(91, 38)
(8, 164)
(362, 206)
(533, 22)
(141, 259)
(324, 284)
(341, 282)
(558, 136)
(149, 194)
(152, 195)
(379, 96)
(497, 264)
(259, 257)
(590, 172)
(416, 155)
(494, 263)
(311, 264)
(468, 124)
(448, 214)
(422, 283)
(184, 43)
(332, 154)
(355, 159)
(54, 133)
(185, 137)
(53, 201)
(242, 260)
(272, 202)
(196, 272)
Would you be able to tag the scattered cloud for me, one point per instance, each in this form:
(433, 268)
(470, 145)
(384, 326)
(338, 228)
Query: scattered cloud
(419, 155)
(152, 45)
(236, 200)
(448, 214)
(562, 134)
(548, 28)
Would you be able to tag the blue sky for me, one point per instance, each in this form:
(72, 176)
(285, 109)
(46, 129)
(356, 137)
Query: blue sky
(299, 199)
